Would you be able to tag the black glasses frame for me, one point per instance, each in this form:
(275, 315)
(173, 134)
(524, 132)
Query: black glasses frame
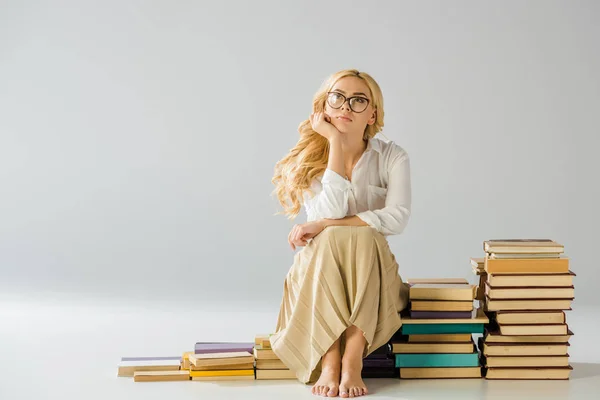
(347, 99)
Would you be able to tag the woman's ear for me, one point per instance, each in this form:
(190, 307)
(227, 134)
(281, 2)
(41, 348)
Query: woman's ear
(373, 118)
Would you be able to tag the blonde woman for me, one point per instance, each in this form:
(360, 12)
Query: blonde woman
(343, 293)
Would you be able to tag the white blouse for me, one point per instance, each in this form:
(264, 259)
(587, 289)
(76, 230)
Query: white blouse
(379, 192)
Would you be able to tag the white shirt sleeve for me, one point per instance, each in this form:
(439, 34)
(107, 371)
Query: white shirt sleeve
(393, 218)
(330, 199)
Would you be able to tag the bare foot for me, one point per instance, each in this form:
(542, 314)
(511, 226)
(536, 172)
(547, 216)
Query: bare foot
(328, 383)
(352, 384)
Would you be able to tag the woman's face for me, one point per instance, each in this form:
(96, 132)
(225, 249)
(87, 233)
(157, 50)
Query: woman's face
(350, 106)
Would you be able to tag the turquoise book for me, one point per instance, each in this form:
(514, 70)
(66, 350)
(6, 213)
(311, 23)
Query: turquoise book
(437, 360)
(428, 329)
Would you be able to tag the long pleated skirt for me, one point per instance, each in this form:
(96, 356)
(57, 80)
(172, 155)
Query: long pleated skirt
(344, 276)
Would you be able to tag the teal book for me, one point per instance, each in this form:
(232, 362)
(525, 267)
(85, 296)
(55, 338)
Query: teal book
(428, 329)
(437, 360)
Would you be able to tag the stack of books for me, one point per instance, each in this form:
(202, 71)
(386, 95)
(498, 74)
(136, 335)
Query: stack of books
(380, 363)
(217, 361)
(436, 340)
(528, 287)
(268, 366)
(143, 369)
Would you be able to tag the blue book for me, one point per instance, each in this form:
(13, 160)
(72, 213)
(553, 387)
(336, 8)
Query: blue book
(426, 329)
(437, 360)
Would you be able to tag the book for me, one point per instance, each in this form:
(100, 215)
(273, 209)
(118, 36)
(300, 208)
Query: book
(526, 266)
(477, 263)
(524, 255)
(444, 338)
(161, 376)
(529, 373)
(530, 317)
(261, 353)
(440, 373)
(437, 281)
(521, 280)
(526, 361)
(380, 372)
(270, 364)
(246, 365)
(476, 316)
(224, 378)
(441, 305)
(382, 352)
(222, 347)
(129, 365)
(524, 349)
(439, 314)
(423, 291)
(505, 293)
(219, 372)
(437, 360)
(440, 328)
(221, 359)
(527, 304)
(522, 246)
(432, 347)
(533, 330)
(263, 340)
(378, 362)
(262, 374)
(493, 336)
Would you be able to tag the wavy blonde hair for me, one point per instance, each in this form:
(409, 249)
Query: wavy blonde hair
(308, 159)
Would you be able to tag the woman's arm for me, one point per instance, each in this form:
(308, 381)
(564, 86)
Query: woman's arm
(351, 220)
(393, 218)
(332, 198)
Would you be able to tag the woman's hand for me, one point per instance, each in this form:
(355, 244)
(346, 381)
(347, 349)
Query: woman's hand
(321, 123)
(300, 234)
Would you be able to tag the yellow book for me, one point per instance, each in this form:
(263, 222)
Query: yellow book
(223, 372)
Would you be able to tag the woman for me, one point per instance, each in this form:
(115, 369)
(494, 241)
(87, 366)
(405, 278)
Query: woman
(343, 293)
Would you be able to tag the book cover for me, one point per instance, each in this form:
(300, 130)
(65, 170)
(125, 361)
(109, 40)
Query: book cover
(439, 314)
(437, 360)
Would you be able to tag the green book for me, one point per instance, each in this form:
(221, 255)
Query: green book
(425, 329)
(437, 360)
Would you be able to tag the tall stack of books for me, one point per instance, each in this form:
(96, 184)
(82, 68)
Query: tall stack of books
(380, 363)
(268, 366)
(435, 340)
(528, 288)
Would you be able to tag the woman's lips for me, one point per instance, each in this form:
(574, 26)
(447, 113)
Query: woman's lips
(344, 119)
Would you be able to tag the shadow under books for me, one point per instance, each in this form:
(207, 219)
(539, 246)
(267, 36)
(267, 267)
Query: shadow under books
(585, 370)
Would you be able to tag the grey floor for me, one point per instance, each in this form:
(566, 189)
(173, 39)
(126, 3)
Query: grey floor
(63, 349)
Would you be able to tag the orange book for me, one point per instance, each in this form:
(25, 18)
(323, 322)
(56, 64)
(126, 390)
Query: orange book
(527, 265)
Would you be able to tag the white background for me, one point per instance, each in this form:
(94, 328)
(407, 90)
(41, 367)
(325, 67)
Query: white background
(138, 139)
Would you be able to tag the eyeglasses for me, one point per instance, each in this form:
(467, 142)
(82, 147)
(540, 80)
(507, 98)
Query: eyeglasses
(357, 104)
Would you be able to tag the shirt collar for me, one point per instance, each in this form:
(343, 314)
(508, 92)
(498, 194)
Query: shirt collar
(373, 144)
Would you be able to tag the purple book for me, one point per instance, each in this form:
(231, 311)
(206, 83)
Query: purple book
(223, 347)
(379, 363)
(440, 314)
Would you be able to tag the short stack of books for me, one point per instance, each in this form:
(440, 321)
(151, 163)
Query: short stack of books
(380, 363)
(435, 340)
(528, 287)
(152, 369)
(217, 361)
(268, 366)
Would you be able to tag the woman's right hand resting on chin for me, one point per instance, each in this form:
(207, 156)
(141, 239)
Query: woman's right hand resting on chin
(321, 123)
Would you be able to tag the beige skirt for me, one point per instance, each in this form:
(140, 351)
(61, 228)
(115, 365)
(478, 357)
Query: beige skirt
(344, 276)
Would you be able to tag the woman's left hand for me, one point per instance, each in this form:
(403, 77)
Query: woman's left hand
(301, 233)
